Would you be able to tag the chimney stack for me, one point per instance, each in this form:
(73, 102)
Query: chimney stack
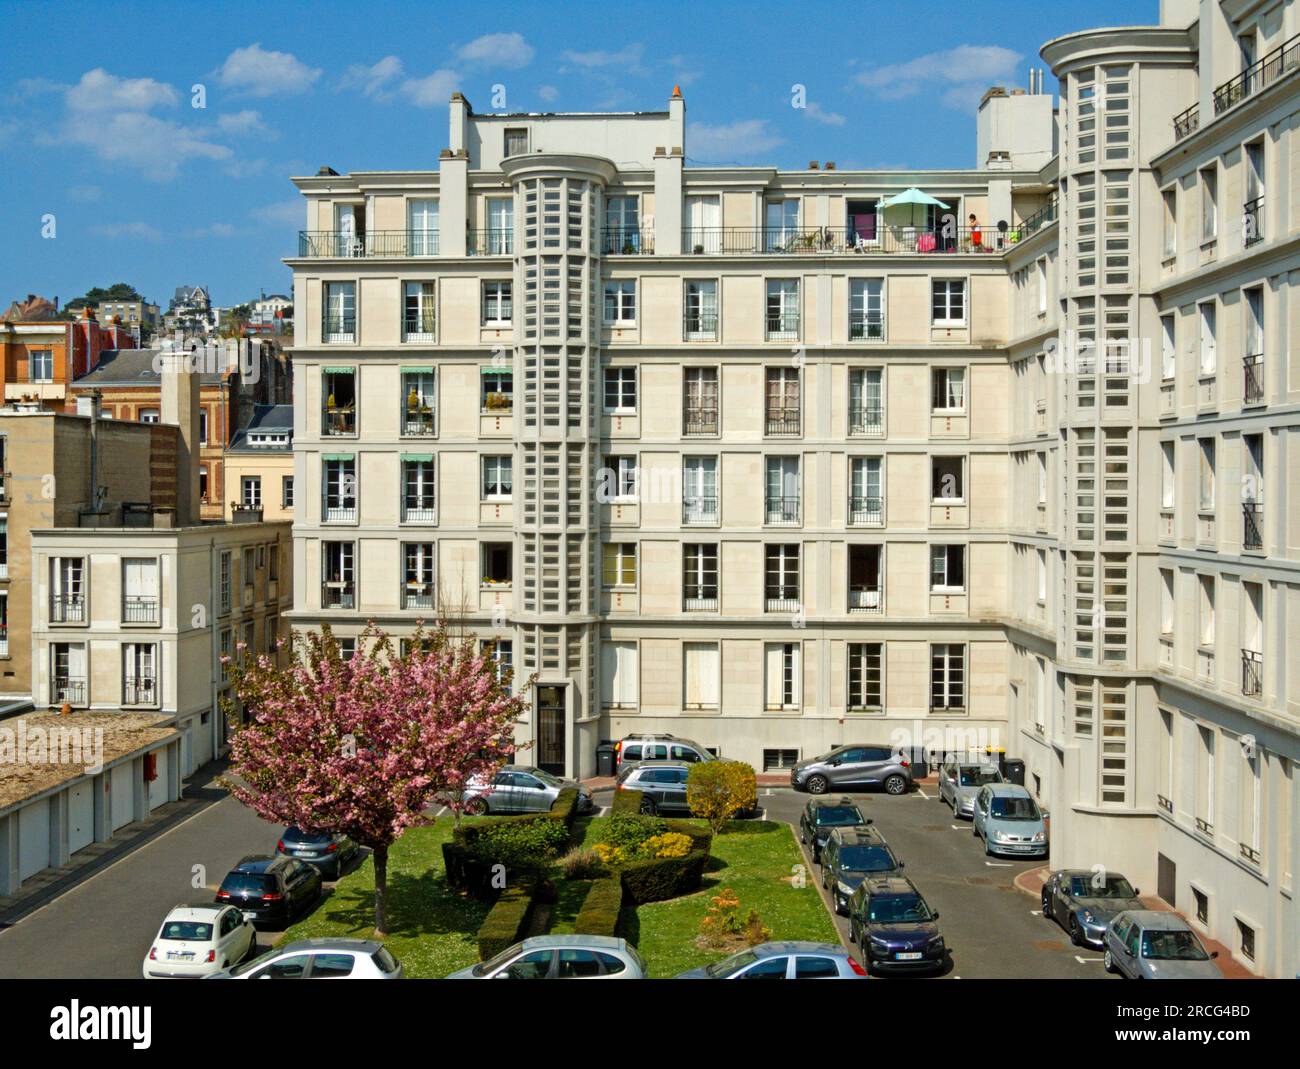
(180, 407)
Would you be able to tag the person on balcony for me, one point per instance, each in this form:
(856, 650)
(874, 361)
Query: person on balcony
(976, 236)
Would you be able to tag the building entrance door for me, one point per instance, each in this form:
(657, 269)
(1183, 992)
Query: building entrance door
(550, 729)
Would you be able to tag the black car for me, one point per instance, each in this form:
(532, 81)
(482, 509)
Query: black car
(850, 856)
(270, 890)
(896, 929)
(821, 816)
(327, 852)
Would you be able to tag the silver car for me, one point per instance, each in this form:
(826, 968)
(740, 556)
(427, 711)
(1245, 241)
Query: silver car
(319, 959)
(1009, 821)
(1150, 945)
(561, 957)
(783, 961)
(521, 789)
(960, 782)
(853, 767)
(1085, 902)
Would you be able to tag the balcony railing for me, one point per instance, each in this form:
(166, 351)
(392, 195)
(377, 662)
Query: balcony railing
(419, 328)
(1187, 122)
(699, 420)
(700, 603)
(866, 510)
(338, 328)
(337, 594)
(782, 421)
(419, 513)
(832, 240)
(417, 595)
(1252, 524)
(1252, 672)
(1258, 75)
(784, 327)
(70, 689)
(139, 609)
(866, 326)
(140, 692)
(865, 599)
(338, 244)
(339, 421)
(1046, 214)
(867, 421)
(698, 510)
(782, 511)
(626, 240)
(1252, 384)
(493, 241)
(700, 326)
(781, 600)
(343, 512)
(418, 421)
(67, 609)
(1252, 222)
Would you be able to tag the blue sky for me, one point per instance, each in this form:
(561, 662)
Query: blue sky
(100, 131)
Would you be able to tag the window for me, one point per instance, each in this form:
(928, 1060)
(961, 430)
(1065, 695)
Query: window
(1166, 601)
(620, 301)
(68, 673)
(620, 389)
(67, 590)
(700, 400)
(419, 322)
(40, 365)
(866, 497)
(4, 623)
(618, 565)
(419, 401)
(782, 309)
(418, 591)
(422, 227)
(782, 497)
(203, 483)
(501, 227)
(783, 682)
(948, 676)
(515, 140)
(139, 590)
(948, 389)
(273, 559)
(496, 390)
(865, 578)
(1042, 478)
(1167, 474)
(338, 392)
(866, 309)
(1168, 348)
(618, 675)
(866, 405)
(700, 316)
(286, 491)
(1169, 199)
(497, 305)
(700, 490)
(947, 569)
(498, 563)
(776, 760)
(224, 582)
(783, 402)
(947, 301)
(4, 547)
(1042, 576)
(203, 426)
(498, 480)
(340, 312)
(338, 575)
(947, 481)
(1206, 612)
(1209, 202)
(503, 654)
(250, 491)
(1206, 502)
(622, 226)
(620, 478)
(339, 475)
(782, 218)
(781, 578)
(1209, 344)
(139, 673)
(701, 674)
(1040, 275)
(419, 489)
(149, 415)
(247, 570)
(700, 577)
(865, 671)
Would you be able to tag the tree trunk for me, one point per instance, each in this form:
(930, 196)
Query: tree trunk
(381, 890)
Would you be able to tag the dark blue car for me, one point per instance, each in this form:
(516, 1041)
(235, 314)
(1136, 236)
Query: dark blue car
(896, 929)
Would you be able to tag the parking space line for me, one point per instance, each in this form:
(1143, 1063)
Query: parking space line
(999, 864)
(922, 794)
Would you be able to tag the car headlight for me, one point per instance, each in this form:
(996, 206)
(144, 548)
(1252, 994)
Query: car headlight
(879, 941)
(1040, 837)
(843, 888)
(936, 943)
(1001, 837)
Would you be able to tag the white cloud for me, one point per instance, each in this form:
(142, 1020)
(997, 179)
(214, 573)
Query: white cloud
(682, 73)
(243, 123)
(727, 141)
(282, 213)
(819, 114)
(100, 91)
(966, 66)
(244, 166)
(85, 194)
(156, 147)
(628, 59)
(260, 72)
(498, 50)
(136, 231)
(374, 80)
(212, 230)
(431, 90)
(548, 93)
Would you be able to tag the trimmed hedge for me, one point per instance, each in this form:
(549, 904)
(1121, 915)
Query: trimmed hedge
(601, 909)
(669, 877)
(626, 803)
(565, 806)
(469, 856)
(506, 922)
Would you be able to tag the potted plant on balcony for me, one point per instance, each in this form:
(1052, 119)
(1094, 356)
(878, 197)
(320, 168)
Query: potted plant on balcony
(699, 249)
(497, 402)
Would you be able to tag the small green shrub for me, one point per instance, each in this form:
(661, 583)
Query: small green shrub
(506, 921)
(601, 909)
(519, 844)
(631, 830)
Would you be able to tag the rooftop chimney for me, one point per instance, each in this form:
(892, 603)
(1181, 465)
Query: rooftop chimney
(180, 407)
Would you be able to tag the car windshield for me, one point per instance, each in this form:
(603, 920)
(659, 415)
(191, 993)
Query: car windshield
(1172, 946)
(545, 777)
(1015, 809)
(735, 963)
(252, 882)
(974, 776)
(897, 909)
(838, 816)
(257, 962)
(866, 859)
(193, 931)
(484, 967)
(1110, 887)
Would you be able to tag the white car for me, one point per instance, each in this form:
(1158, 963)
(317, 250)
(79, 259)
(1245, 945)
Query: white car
(197, 941)
(319, 959)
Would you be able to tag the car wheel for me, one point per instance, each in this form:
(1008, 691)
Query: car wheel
(648, 807)
(841, 908)
(1107, 962)
(1076, 936)
(1047, 905)
(895, 785)
(476, 807)
(817, 784)
(825, 886)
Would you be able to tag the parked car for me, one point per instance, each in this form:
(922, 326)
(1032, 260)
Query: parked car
(821, 816)
(662, 785)
(319, 959)
(960, 782)
(270, 890)
(895, 927)
(1150, 945)
(327, 852)
(854, 766)
(198, 940)
(521, 789)
(1009, 821)
(633, 749)
(850, 856)
(782, 961)
(561, 957)
(1084, 903)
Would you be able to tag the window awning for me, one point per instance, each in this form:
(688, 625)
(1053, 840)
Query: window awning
(338, 456)
(425, 457)
(417, 370)
(496, 371)
(339, 370)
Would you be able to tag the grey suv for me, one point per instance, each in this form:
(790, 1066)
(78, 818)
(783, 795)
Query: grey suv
(855, 765)
(662, 785)
(633, 749)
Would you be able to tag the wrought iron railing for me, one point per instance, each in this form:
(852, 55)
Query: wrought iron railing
(139, 609)
(141, 691)
(338, 326)
(867, 421)
(1187, 122)
(866, 326)
(418, 595)
(1252, 222)
(342, 244)
(419, 328)
(699, 510)
(339, 421)
(700, 326)
(70, 689)
(67, 609)
(781, 599)
(700, 420)
(835, 240)
(338, 595)
(865, 599)
(419, 421)
(492, 241)
(1252, 383)
(695, 602)
(782, 421)
(782, 510)
(866, 510)
(626, 240)
(783, 327)
(1252, 525)
(1252, 672)
(1260, 74)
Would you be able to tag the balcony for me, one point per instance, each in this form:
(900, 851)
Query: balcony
(419, 328)
(1252, 525)
(701, 601)
(137, 609)
(867, 421)
(419, 422)
(1252, 222)
(866, 511)
(1187, 122)
(339, 422)
(781, 511)
(344, 245)
(699, 511)
(70, 689)
(1258, 76)
(866, 326)
(780, 599)
(67, 609)
(494, 241)
(338, 594)
(783, 422)
(832, 240)
(699, 420)
(626, 240)
(418, 595)
(343, 512)
(142, 691)
(1252, 382)
(1252, 673)
(338, 329)
(784, 327)
(865, 599)
(700, 326)
(421, 512)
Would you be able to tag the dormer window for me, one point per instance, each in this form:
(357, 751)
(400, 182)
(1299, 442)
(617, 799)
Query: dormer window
(516, 141)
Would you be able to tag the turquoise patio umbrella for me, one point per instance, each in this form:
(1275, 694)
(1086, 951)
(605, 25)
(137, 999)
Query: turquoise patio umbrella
(912, 196)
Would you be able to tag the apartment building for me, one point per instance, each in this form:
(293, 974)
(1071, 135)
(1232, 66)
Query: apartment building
(40, 356)
(259, 465)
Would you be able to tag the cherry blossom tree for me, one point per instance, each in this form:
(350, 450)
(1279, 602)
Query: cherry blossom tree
(363, 745)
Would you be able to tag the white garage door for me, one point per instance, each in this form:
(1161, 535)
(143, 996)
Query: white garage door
(123, 793)
(81, 816)
(158, 788)
(33, 839)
